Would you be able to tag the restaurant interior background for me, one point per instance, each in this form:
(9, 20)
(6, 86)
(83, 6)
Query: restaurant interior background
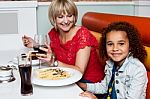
(74, 0)
(30, 16)
(86, 0)
(125, 7)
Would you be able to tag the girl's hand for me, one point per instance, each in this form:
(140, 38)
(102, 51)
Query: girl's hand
(88, 94)
(28, 41)
(82, 85)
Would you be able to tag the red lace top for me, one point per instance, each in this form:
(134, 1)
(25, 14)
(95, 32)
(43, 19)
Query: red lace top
(66, 53)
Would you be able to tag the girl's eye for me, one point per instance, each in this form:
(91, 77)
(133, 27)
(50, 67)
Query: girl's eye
(121, 43)
(109, 44)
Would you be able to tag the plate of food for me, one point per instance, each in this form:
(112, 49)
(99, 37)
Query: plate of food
(55, 76)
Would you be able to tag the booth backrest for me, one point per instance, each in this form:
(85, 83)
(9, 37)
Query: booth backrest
(95, 22)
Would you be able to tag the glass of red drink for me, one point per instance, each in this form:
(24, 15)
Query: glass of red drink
(25, 69)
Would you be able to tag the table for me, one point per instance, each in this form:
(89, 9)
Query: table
(11, 90)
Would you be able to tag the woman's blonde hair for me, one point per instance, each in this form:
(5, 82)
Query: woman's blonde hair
(57, 7)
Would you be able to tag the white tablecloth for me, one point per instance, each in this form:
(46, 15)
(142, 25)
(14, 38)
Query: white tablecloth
(11, 90)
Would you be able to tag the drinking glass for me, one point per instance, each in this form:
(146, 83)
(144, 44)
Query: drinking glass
(25, 69)
(40, 41)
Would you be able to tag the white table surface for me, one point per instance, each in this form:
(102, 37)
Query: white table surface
(11, 90)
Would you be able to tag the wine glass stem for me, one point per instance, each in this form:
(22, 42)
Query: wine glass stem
(39, 63)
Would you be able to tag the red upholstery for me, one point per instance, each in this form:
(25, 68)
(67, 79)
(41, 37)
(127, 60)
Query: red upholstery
(96, 21)
(148, 87)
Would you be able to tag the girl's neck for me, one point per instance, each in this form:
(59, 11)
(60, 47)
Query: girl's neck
(119, 64)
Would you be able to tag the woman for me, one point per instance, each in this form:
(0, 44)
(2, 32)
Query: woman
(74, 46)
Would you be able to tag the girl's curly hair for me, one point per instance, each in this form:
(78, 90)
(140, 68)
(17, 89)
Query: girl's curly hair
(136, 47)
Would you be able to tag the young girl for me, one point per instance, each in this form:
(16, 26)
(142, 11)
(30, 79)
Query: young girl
(126, 76)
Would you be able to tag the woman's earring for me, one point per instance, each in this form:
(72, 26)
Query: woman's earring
(55, 26)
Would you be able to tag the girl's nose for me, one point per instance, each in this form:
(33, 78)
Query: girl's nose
(115, 47)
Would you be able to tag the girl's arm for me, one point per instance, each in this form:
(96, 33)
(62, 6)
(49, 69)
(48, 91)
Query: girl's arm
(138, 84)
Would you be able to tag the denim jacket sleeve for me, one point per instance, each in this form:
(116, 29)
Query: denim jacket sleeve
(135, 83)
(131, 80)
(100, 87)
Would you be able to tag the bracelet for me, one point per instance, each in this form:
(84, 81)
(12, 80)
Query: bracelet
(55, 64)
(54, 61)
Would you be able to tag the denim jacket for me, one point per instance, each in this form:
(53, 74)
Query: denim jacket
(130, 80)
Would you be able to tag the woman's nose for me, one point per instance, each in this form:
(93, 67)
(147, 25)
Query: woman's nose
(65, 20)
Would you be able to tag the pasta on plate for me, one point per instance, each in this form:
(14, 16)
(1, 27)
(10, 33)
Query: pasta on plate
(52, 74)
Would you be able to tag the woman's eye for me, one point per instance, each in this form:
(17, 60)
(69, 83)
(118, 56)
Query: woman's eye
(69, 15)
(60, 16)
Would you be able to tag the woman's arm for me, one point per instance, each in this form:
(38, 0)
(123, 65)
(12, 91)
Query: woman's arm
(82, 59)
(81, 62)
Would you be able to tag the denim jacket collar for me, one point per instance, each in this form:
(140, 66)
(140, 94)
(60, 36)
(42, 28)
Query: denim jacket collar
(110, 63)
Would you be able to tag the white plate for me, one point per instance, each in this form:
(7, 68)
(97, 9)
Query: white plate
(75, 76)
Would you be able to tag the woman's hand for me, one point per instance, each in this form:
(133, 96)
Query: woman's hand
(48, 56)
(88, 94)
(28, 41)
